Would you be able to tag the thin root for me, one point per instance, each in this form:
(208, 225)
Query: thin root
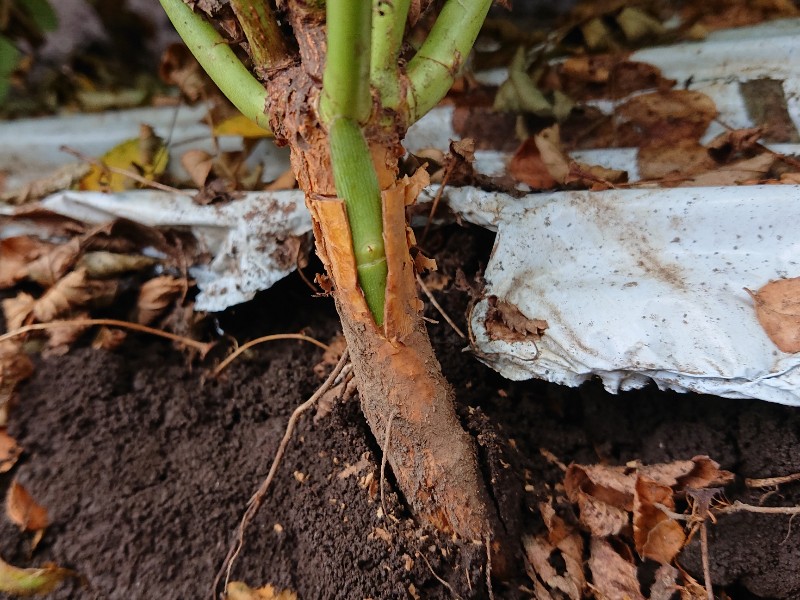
(257, 499)
(386, 441)
(439, 579)
(261, 340)
(771, 481)
(202, 347)
(489, 587)
(438, 307)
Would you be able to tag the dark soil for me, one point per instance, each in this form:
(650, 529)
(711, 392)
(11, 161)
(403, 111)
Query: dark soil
(146, 464)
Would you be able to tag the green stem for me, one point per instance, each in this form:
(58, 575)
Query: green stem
(357, 183)
(388, 27)
(345, 82)
(267, 46)
(219, 61)
(434, 68)
(346, 103)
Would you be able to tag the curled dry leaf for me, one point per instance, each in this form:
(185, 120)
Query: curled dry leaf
(528, 167)
(778, 311)
(539, 566)
(60, 339)
(238, 590)
(17, 310)
(16, 254)
(105, 265)
(109, 339)
(655, 535)
(73, 291)
(28, 582)
(15, 366)
(9, 451)
(23, 510)
(612, 575)
(156, 296)
(50, 267)
(198, 164)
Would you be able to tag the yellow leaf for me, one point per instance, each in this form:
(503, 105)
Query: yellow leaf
(238, 590)
(27, 582)
(145, 155)
(240, 125)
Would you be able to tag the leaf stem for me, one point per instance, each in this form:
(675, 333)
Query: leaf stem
(345, 81)
(357, 184)
(388, 27)
(267, 46)
(219, 61)
(434, 68)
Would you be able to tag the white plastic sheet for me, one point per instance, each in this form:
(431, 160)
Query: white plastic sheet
(641, 285)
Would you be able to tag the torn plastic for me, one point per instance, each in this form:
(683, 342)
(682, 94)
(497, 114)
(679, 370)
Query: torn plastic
(246, 238)
(637, 286)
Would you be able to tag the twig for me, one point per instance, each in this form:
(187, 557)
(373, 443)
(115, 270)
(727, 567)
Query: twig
(771, 481)
(765, 510)
(706, 563)
(438, 307)
(439, 579)
(386, 441)
(132, 174)
(266, 338)
(257, 499)
(203, 347)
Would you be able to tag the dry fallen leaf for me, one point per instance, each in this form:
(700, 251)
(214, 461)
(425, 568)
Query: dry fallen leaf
(104, 265)
(668, 116)
(17, 310)
(538, 552)
(145, 155)
(108, 338)
(778, 311)
(15, 366)
(528, 167)
(156, 296)
(50, 267)
(9, 451)
(655, 534)
(16, 253)
(73, 291)
(29, 582)
(613, 577)
(238, 590)
(23, 511)
(198, 164)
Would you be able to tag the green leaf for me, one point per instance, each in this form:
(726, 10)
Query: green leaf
(27, 582)
(42, 14)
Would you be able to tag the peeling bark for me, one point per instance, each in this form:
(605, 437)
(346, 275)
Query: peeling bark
(398, 375)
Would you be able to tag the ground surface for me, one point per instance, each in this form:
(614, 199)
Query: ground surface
(146, 464)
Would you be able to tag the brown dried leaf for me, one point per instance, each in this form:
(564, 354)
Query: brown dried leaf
(109, 339)
(156, 295)
(655, 534)
(613, 577)
(504, 321)
(705, 473)
(556, 161)
(23, 510)
(683, 157)
(51, 267)
(734, 142)
(528, 167)
(178, 67)
(10, 451)
(16, 253)
(601, 518)
(73, 291)
(668, 116)
(538, 552)
(735, 173)
(15, 366)
(17, 310)
(198, 164)
(285, 181)
(612, 485)
(102, 264)
(778, 311)
(665, 584)
(60, 339)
